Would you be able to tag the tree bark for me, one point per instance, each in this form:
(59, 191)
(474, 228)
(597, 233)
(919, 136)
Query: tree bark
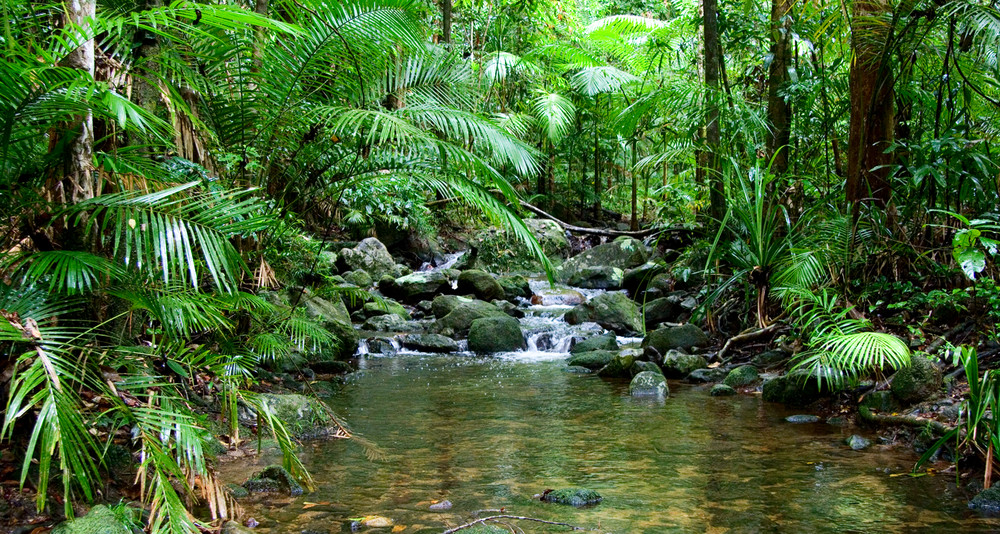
(78, 182)
(634, 223)
(713, 170)
(872, 121)
(778, 110)
(446, 21)
(597, 161)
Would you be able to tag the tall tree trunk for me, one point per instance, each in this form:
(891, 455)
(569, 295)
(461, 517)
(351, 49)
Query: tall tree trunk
(543, 173)
(778, 111)
(78, 181)
(713, 168)
(446, 21)
(634, 224)
(597, 162)
(871, 86)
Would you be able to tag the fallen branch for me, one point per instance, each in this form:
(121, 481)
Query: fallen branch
(938, 427)
(939, 342)
(747, 336)
(602, 231)
(507, 516)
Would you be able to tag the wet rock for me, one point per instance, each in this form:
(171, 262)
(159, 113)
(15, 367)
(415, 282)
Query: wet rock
(620, 366)
(480, 284)
(722, 390)
(987, 501)
(593, 360)
(600, 277)
(921, 380)
(558, 296)
(232, 527)
(880, 401)
(641, 366)
(99, 520)
(237, 491)
(515, 287)
(741, 376)
(358, 278)
(623, 253)
(857, 443)
(440, 506)
(303, 416)
(459, 319)
(675, 337)
(444, 304)
(676, 364)
(430, 343)
(771, 358)
(496, 334)
(390, 323)
(500, 251)
(386, 307)
(572, 496)
(703, 376)
(649, 384)
(795, 389)
(415, 287)
(369, 256)
(603, 342)
(273, 479)
(636, 280)
(662, 310)
(381, 345)
(613, 311)
(509, 308)
(801, 419)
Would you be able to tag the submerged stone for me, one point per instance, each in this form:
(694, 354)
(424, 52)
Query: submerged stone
(274, 479)
(649, 384)
(572, 496)
(800, 419)
(722, 390)
(857, 443)
(593, 360)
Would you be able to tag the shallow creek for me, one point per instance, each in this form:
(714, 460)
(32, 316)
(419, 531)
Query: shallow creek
(490, 432)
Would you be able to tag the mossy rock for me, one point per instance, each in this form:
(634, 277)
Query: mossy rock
(722, 390)
(703, 376)
(920, 381)
(741, 376)
(573, 497)
(683, 337)
(386, 307)
(641, 366)
(430, 343)
(677, 364)
(274, 479)
(99, 520)
(987, 500)
(770, 358)
(662, 310)
(370, 256)
(880, 401)
(622, 253)
(444, 304)
(415, 287)
(237, 491)
(649, 384)
(603, 342)
(496, 334)
(593, 360)
(620, 366)
(460, 319)
(795, 389)
(481, 284)
(232, 527)
(358, 278)
(303, 416)
(636, 280)
(597, 277)
(613, 311)
(498, 250)
(515, 287)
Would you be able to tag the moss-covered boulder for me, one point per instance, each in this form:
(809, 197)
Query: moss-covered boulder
(921, 380)
(722, 390)
(623, 253)
(797, 388)
(662, 310)
(415, 287)
(391, 323)
(499, 251)
(572, 496)
(370, 256)
(430, 343)
(602, 342)
(443, 304)
(648, 384)
(358, 278)
(670, 338)
(273, 479)
(703, 376)
(620, 366)
(304, 417)
(99, 520)
(593, 360)
(385, 307)
(613, 311)
(636, 280)
(459, 319)
(880, 401)
(597, 277)
(515, 287)
(641, 366)
(741, 376)
(677, 364)
(496, 334)
(481, 284)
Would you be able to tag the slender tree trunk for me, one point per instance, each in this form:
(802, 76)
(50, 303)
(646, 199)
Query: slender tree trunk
(717, 199)
(597, 163)
(543, 174)
(78, 181)
(446, 21)
(871, 87)
(634, 224)
(779, 112)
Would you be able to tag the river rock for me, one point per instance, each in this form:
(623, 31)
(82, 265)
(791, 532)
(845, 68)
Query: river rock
(648, 384)
(987, 500)
(333, 316)
(662, 310)
(919, 381)
(509, 308)
(572, 496)
(415, 287)
(443, 304)
(620, 366)
(430, 343)
(797, 388)
(558, 296)
(303, 416)
(722, 390)
(369, 256)
(273, 479)
(857, 443)
(381, 345)
(232, 527)
(669, 338)
(515, 287)
(385, 307)
(499, 250)
(802, 419)
(459, 319)
(636, 280)
(703, 376)
(642, 366)
(358, 278)
(440, 506)
(770, 358)
(598, 277)
(602, 342)
(593, 360)
(741, 376)
(390, 323)
(880, 401)
(496, 334)
(99, 520)
(481, 284)
(677, 364)
(623, 253)
(613, 311)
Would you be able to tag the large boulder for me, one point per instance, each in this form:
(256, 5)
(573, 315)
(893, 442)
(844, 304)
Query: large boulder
(593, 360)
(415, 287)
(496, 334)
(636, 280)
(662, 310)
(358, 278)
(613, 311)
(369, 256)
(99, 520)
(499, 250)
(623, 253)
(620, 366)
(385, 307)
(648, 384)
(919, 381)
(443, 304)
(597, 277)
(677, 364)
(460, 318)
(333, 316)
(603, 342)
(741, 376)
(304, 417)
(430, 343)
(273, 479)
(670, 338)
(515, 287)
(480, 284)
(390, 323)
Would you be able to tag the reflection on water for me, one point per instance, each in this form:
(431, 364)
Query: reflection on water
(490, 433)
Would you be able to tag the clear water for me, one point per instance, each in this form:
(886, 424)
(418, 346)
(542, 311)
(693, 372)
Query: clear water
(487, 433)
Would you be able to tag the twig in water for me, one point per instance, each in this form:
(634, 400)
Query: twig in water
(507, 516)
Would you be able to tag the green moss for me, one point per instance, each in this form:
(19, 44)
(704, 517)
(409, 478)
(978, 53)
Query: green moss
(573, 496)
(741, 376)
(273, 479)
(592, 360)
(100, 520)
